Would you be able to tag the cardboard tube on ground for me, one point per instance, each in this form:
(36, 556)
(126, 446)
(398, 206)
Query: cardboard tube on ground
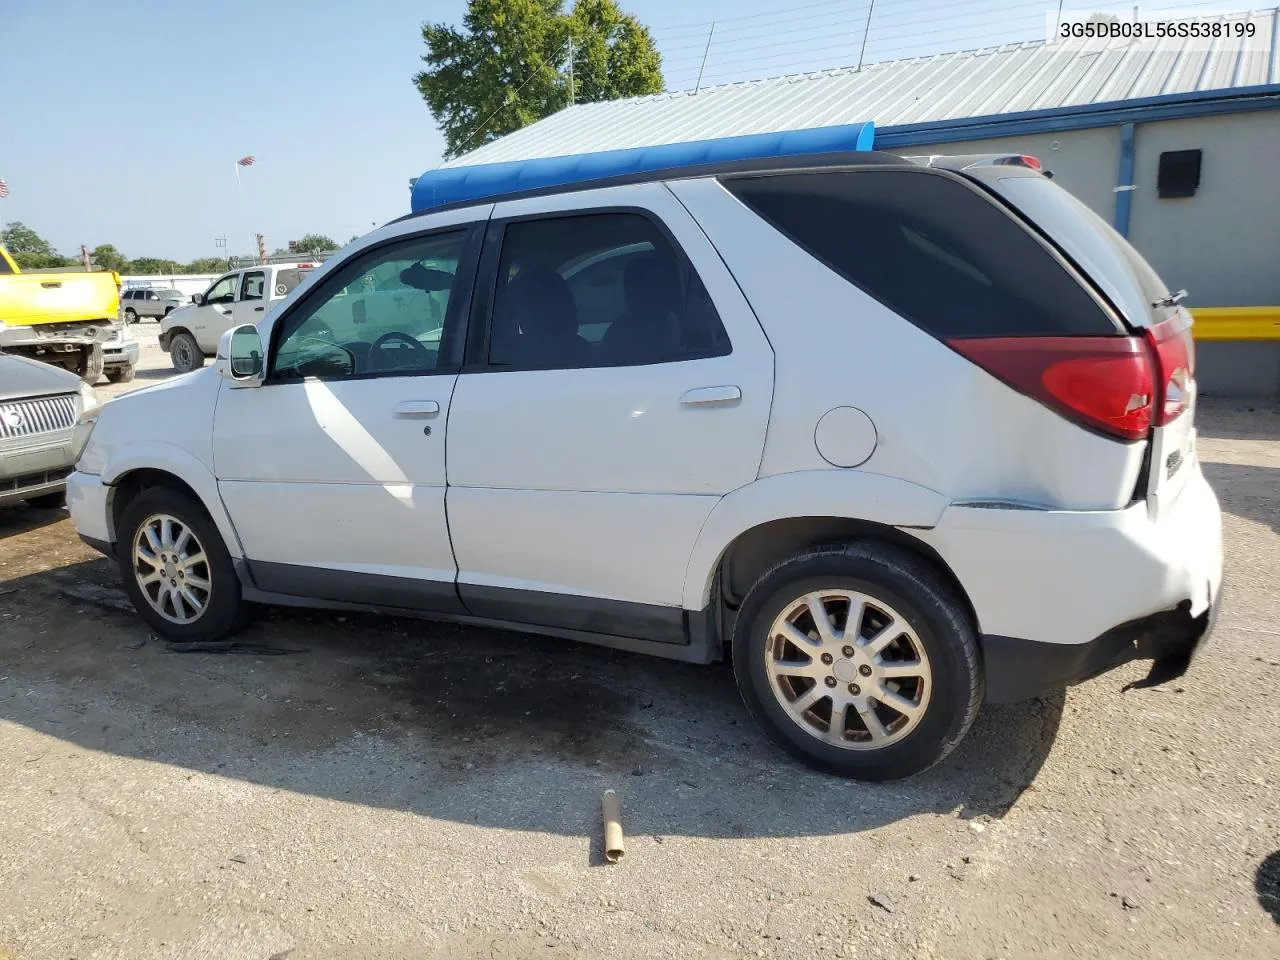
(612, 809)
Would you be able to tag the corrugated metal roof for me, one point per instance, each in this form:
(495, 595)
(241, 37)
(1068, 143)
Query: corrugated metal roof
(973, 83)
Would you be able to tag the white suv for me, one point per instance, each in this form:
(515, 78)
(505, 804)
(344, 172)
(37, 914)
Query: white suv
(896, 437)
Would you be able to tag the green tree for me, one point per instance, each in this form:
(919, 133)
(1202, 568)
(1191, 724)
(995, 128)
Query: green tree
(149, 266)
(314, 243)
(29, 250)
(508, 66)
(108, 257)
(613, 55)
(206, 265)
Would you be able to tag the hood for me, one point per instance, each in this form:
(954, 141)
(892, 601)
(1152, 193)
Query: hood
(20, 378)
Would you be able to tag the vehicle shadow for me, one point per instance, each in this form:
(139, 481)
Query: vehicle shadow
(19, 518)
(1246, 491)
(1267, 884)
(465, 724)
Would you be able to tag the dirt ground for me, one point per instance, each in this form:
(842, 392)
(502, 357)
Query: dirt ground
(372, 788)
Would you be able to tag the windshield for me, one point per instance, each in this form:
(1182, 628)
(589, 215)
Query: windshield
(4, 266)
(1118, 269)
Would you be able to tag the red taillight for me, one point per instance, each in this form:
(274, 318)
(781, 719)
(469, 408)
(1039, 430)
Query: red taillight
(1175, 353)
(1102, 382)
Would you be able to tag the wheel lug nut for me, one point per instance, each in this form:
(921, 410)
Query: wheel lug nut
(865, 670)
(830, 681)
(855, 689)
(827, 658)
(847, 651)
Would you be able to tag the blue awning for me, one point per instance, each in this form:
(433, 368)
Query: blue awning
(436, 188)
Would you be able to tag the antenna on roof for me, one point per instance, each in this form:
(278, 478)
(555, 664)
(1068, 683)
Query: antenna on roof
(707, 49)
(866, 30)
(572, 96)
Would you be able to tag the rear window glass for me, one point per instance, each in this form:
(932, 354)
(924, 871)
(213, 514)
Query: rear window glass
(287, 280)
(931, 249)
(1096, 247)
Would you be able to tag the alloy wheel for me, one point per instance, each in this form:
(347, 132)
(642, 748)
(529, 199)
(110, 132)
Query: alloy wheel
(848, 669)
(172, 569)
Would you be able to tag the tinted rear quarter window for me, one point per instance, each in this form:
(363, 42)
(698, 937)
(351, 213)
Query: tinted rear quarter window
(929, 247)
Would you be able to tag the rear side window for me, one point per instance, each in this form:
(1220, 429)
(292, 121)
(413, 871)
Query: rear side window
(929, 248)
(598, 290)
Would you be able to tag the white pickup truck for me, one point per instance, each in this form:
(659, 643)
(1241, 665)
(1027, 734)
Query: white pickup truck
(190, 333)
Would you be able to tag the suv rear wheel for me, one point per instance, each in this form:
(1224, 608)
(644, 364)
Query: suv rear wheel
(130, 315)
(176, 568)
(859, 660)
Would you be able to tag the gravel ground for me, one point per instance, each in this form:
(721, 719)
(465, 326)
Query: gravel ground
(374, 788)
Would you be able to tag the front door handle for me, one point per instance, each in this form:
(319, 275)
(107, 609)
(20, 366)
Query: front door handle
(417, 410)
(258, 309)
(711, 397)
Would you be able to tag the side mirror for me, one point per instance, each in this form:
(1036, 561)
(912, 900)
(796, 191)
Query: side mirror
(197, 299)
(241, 357)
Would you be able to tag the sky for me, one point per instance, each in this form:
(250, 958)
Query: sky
(121, 122)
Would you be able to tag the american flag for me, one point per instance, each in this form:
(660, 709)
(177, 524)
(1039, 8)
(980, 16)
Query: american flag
(245, 161)
(4, 189)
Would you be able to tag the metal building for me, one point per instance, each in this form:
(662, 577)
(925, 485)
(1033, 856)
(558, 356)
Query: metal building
(1178, 147)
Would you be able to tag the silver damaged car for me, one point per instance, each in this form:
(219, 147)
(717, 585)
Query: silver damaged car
(45, 416)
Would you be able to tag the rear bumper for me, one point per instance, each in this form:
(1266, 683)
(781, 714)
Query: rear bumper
(1019, 670)
(52, 335)
(1079, 589)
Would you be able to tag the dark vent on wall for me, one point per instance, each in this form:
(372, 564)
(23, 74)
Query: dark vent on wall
(1179, 174)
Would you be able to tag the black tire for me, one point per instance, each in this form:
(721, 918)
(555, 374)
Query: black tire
(932, 609)
(90, 364)
(130, 316)
(185, 352)
(226, 611)
(121, 374)
(49, 501)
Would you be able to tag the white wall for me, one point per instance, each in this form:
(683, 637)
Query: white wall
(188, 283)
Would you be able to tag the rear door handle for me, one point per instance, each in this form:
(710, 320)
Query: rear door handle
(417, 409)
(258, 309)
(711, 397)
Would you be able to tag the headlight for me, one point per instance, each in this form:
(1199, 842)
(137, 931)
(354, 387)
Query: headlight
(85, 423)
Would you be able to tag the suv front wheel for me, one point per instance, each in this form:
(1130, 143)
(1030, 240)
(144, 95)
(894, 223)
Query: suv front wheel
(176, 568)
(859, 660)
(185, 352)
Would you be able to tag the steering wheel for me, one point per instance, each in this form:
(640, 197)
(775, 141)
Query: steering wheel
(395, 336)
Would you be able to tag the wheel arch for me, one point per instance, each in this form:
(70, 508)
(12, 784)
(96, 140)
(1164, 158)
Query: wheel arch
(756, 526)
(163, 465)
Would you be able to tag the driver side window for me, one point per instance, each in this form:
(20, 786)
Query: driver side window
(383, 312)
(224, 291)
